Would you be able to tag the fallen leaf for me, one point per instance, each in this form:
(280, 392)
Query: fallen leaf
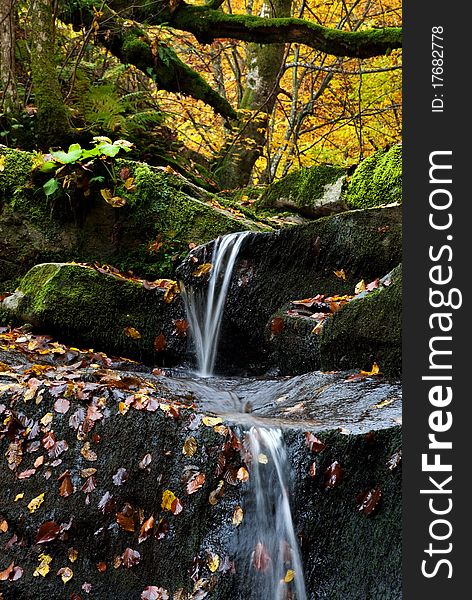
(395, 460)
(43, 568)
(190, 446)
(213, 561)
(47, 532)
(195, 483)
(72, 554)
(211, 421)
(277, 325)
(203, 269)
(368, 501)
(162, 529)
(3, 526)
(384, 403)
(65, 574)
(238, 516)
(36, 503)
(217, 493)
(260, 557)
(146, 529)
(374, 371)
(360, 287)
(313, 443)
(87, 453)
(289, 576)
(145, 462)
(333, 475)
(5, 575)
(130, 558)
(120, 477)
(160, 343)
(340, 274)
(242, 474)
(126, 522)
(66, 488)
(151, 592)
(132, 333)
(61, 405)
(313, 469)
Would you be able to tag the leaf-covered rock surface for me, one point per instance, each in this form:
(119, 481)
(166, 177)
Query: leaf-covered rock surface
(115, 485)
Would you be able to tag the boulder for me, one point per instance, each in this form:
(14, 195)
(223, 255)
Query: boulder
(97, 516)
(327, 256)
(103, 311)
(377, 180)
(145, 235)
(365, 330)
(311, 192)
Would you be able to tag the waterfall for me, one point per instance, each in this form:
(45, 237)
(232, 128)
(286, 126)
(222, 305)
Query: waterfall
(205, 307)
(267, 554)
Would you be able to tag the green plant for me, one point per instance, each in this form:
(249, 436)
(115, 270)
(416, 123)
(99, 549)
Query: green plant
(81, 168)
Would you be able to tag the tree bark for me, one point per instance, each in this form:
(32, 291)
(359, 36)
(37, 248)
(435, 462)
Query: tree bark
(242, 150)
(52, 118)
(9, 98)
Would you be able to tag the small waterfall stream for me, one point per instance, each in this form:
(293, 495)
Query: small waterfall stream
(268, 555)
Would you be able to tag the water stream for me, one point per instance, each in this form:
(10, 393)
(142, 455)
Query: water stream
(268, 555)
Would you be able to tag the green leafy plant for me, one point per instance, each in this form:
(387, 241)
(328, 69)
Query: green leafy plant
(81, 168)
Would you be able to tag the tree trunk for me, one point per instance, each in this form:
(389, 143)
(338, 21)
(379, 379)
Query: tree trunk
(52, 117)
(242, 150)
(9, 98)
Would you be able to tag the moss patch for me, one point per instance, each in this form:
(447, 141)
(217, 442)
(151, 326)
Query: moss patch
(377, 180)
(95, 310)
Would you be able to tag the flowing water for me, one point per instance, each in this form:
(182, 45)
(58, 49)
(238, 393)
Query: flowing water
(267, 556)
(205, 307)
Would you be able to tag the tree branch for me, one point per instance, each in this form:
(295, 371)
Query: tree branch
(207, 25)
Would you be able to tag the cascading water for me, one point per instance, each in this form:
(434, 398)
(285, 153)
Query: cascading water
(205, 307)
(267, 545)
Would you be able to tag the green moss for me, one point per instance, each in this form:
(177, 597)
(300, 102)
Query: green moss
(377, 180)
(366, 330)
(303, 188)
(94, 309)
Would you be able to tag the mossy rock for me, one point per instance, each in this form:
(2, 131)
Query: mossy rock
(367, 330)
(311, 191)
(96, 310)
(273, 269)
(377, 180)
(65, 227)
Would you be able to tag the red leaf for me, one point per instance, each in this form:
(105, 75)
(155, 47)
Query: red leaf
(181, 327)
(260, 557)
(315, 444)
(66, 488)
(146, 529)
(368, 501)
(4, 575)
(160, 343)
(276, 325)
(130, 558)
(333, 475)
(162, 529)
(47, 532)
(195, 483)
(176, 507)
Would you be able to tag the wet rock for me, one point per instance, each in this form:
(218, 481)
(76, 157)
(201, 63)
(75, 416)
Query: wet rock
(328, 256)
(100, 310)
(121, 464)
(365, 330)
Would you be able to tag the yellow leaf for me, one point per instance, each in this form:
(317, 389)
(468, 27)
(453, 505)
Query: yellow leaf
(168, 498)
(213, 561)
(384, 403)
(374, 371)
(19, 496)
(211, 421)
(66, 574)
(289, 575)
(43, 568)
(48, 417)
(72, 554)
(190, 446)
(340, 274)
(171, 292)
(242, 474)
(262, 458)
(203, 269)
(360, 287)
(2, 163)
(238, 515)
(132, 333)
(36, 503)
